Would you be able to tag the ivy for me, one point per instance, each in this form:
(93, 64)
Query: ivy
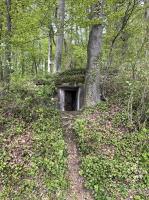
(32, 153)
(114, 161)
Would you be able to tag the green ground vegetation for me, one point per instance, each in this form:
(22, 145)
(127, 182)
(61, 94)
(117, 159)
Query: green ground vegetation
(115, 156)
(32, 148)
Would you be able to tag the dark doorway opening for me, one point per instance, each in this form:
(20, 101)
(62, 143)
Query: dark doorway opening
(71, 100)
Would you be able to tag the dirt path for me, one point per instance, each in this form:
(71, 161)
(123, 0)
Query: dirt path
(77, 190)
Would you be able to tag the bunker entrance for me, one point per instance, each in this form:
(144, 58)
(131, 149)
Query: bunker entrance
(71, 99)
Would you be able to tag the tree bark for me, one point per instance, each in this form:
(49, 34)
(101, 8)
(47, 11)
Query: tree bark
(8, 42)
(49, 55)
(1, 63)
(92, 80)
(147, 27)
(50, 50)
(60, 36)
(147, 9)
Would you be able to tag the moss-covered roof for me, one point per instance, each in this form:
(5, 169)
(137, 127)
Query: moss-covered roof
(70, 76)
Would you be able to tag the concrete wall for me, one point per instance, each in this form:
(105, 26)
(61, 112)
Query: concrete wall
(61, 96)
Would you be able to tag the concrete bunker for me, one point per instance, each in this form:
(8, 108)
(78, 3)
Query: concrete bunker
(71, 98)
(70, 89)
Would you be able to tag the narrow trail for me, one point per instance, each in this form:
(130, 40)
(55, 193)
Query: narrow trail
(76, 190)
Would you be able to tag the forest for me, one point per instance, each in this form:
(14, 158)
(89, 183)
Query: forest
(74, 99)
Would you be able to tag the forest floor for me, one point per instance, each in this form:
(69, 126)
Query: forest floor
(32, 148)
(114, 155)
(47, 154)
(77, 191)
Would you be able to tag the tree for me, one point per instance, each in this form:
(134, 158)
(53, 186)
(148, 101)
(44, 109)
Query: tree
(8, 41)
(50, 37)
(49, 52)
(147, 9)
(92, 81)
(1, 64)
(60, 35)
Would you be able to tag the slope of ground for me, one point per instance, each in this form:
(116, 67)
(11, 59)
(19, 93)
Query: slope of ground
(115, 159)
(32, 148)
(38, 155)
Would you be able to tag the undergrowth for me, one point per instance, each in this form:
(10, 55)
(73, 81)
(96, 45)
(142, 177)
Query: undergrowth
(115, 156)
(32, 149)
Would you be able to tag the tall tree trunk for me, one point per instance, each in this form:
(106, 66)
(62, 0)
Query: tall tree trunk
(50, 51)
(147, 9)
(60, 35)
(8, 42)
(1, 63)
(147, 27)
(92, 81)
(49, 54)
